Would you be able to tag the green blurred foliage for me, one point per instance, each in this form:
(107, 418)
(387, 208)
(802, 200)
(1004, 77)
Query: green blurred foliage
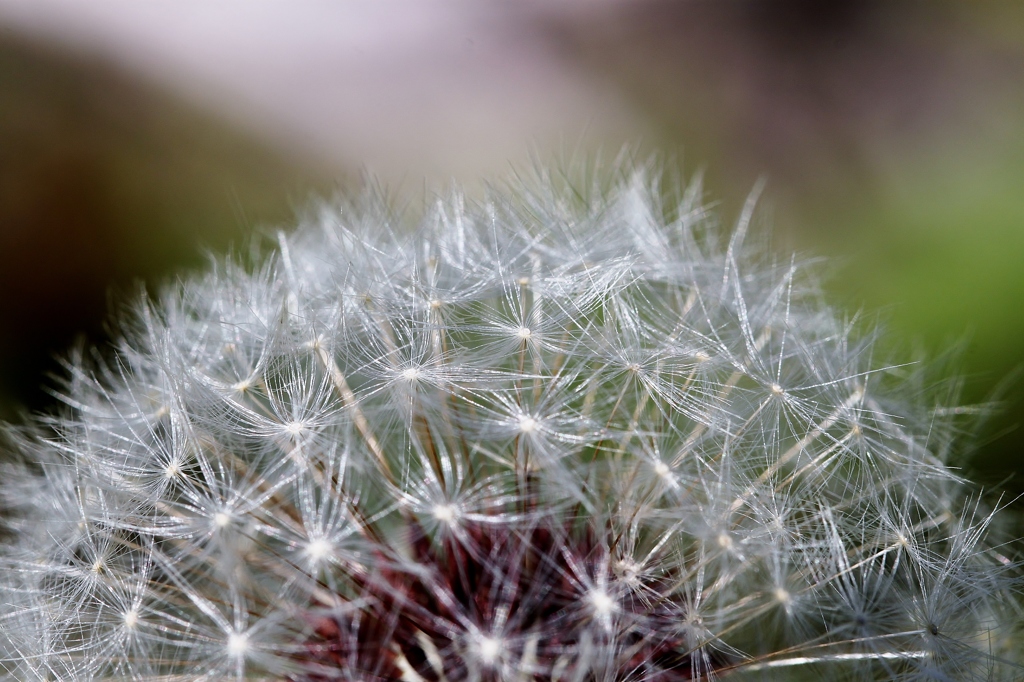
(942, 253)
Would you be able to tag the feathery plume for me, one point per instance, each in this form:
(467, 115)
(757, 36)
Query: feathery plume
(562, 434)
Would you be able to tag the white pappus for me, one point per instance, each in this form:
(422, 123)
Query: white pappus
(569, 432)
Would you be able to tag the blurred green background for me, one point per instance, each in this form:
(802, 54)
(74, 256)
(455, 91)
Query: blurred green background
(891, 135)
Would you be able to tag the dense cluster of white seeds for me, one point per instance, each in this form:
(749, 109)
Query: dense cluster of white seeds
(554, 436)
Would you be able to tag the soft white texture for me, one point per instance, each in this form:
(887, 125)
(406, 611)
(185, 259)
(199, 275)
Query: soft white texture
(746, 478)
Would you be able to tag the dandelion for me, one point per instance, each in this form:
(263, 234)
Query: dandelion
(564, 434)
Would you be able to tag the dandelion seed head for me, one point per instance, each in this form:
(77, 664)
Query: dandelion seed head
(574, 433)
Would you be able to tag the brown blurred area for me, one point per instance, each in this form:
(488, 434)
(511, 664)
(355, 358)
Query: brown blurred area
(134, 136)
(104, 182)
(823, 97)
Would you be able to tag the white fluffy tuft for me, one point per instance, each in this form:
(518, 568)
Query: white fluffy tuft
(723, 472)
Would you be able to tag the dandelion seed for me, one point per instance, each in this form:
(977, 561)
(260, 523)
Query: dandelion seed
(603, 604)
(238, 644)
(444, 513)
(628, 571)
(527, 424)
(319, 549)
(489, 649)
(295, 429)
(131, 619)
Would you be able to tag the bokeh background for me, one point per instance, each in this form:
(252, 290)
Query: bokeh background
(136, 137)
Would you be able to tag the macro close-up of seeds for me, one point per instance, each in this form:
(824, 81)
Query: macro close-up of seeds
(578, 429)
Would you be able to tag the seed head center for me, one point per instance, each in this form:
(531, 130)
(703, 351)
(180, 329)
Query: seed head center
(603, 604)
(628, 571)
(527, 424)
(237, 643)
(445, 513)
(318, 549)
(489, 648)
